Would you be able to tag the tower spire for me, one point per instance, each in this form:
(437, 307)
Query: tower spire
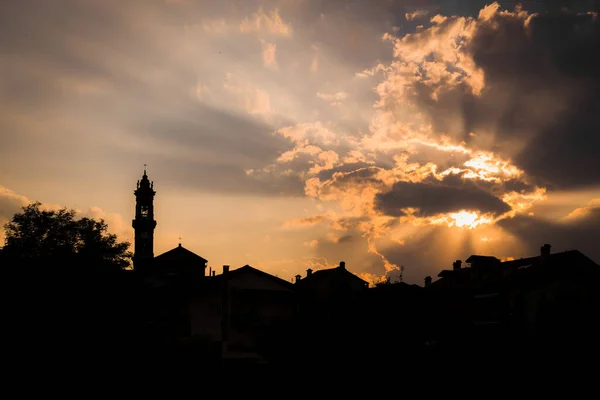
(144, 223)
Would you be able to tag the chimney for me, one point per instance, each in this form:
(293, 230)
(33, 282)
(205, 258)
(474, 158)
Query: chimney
(342, 265)
(456, 265)
(545, 249)
(210, 271)
(427, 281)
(308, 272)
(298, 277)
(225, 269)
(213, 273)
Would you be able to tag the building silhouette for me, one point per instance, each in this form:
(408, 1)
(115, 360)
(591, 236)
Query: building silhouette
(178, 262)
(548, 301)
(329, 287)
(143, 224)
(483, 308)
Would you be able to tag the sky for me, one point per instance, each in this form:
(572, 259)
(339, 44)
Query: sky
(293, 134)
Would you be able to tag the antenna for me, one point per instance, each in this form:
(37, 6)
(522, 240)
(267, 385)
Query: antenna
(401, 272)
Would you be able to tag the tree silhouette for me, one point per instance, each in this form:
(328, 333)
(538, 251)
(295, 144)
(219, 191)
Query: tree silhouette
(36, 237)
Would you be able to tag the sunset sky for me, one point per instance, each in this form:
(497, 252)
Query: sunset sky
(290, 134)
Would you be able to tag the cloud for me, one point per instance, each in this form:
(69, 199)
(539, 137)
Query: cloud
(580, 231)
(307, 221)
(417, 14)
(352, 249)
(10, 204)
(216, 151)
(432, 199)
(439, 122)
(400, 137)
(117, 224)
(269, 58)
(490, 75)
(217, 26)
(270, 22)
(585, 213)
(334, 99)
(258, 23)
(253, 100)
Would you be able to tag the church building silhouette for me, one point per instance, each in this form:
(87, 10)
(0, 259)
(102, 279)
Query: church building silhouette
(177, 261)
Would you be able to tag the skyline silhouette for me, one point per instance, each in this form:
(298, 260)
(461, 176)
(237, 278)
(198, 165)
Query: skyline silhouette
(167, 316)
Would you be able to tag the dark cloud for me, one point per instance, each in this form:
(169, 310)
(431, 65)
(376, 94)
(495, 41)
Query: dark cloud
(432, 199)
(228, 179)
(361, 169)
(217, 151)
(493, 187)
(354, 178)
(216, 134)
(555, 57)
(541, 99)
(581, 234)
(347, 31)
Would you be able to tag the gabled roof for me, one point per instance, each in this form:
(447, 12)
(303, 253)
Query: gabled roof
(336, 271)
(485, 259)
(179, 253)
(247, 269)
(571, 258)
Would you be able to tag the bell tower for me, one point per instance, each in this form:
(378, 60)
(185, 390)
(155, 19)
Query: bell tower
(144, 223)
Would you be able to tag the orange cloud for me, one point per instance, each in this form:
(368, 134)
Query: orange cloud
(437, 59)
(252, 99)
(270, 22)
(269, 57)
(334, 99)
(583, 212)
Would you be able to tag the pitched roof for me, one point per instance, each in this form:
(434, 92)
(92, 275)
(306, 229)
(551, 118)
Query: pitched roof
(477, 258)
(572, 258)
(179, 253)
(336, 271)
(247, 269)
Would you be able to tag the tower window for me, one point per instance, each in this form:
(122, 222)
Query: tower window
(144, 211)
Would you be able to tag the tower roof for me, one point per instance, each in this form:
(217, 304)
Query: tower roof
(145, 185)
(179, 254)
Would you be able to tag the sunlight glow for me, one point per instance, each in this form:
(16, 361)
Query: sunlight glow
(462, 219)
(488, 167)
(468, 219)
